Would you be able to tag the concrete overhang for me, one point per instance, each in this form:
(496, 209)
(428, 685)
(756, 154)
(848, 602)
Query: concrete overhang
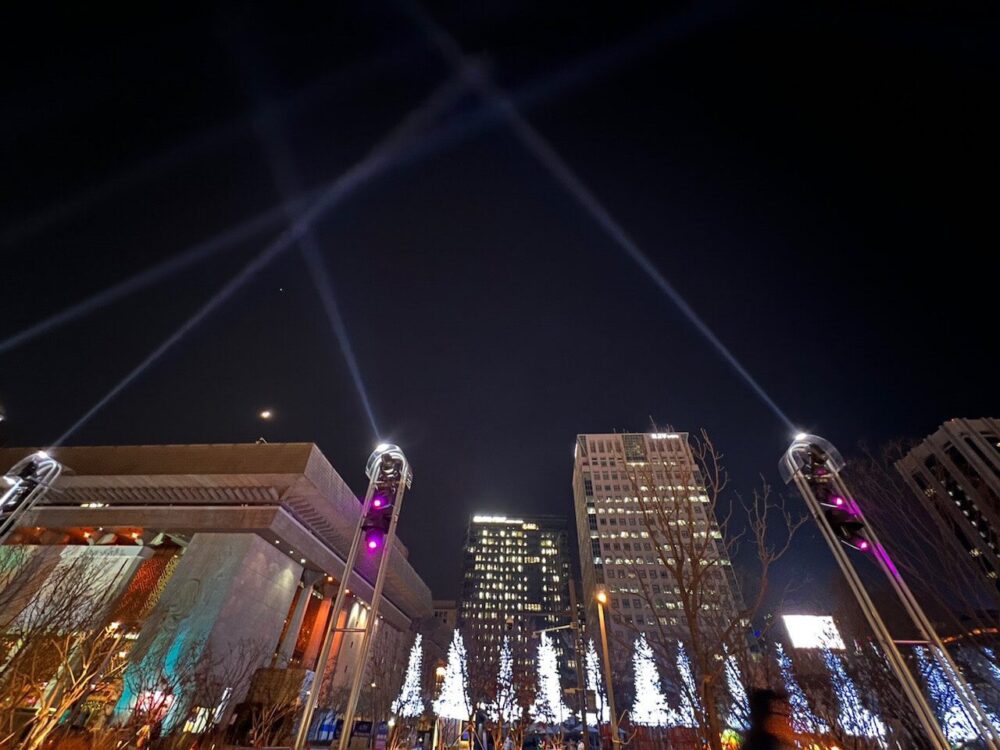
(288, 493)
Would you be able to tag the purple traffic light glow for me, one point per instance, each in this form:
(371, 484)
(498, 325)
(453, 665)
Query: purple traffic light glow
(374, 540)
(863, 545)
(377, 502)
(838, 501)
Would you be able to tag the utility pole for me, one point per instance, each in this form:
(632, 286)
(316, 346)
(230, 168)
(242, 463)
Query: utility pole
(578, 647)
(581, 654)
(389, 476)
(23, 486)
(609, 688)
(814, 465)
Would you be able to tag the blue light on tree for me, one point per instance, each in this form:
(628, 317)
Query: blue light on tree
(739, 711)
(852, 716)
(804, 720)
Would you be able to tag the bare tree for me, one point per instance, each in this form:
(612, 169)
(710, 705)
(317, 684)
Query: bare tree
(503, 699)
(692, 529)
(482, 667)
(383, 676)
(879, 699)
(270, 707)
(951, 581)
(386, 665)
(80, 658)
(59, 643)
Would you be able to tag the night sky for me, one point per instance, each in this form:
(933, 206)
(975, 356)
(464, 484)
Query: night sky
(817, 179)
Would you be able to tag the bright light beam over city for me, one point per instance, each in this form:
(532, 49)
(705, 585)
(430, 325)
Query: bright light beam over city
(324, 288)
(363, 171)
(224, 241)
(281, 162)
(323, 88)
(559, 82)
(565, 176)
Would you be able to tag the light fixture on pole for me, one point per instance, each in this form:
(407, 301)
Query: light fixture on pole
(24, 485)
(609, 688)
(814, 465)
(389, 476)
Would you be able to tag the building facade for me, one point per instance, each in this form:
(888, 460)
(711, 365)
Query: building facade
(446, 613)
(619, 553)
(220, 561)
(516, 576)
(956, 474)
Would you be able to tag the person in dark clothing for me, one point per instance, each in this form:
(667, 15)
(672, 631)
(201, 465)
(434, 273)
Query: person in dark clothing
(769, 725)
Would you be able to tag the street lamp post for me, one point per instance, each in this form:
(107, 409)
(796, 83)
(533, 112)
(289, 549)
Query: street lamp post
(602, 599)
(23, 486)
(389, 477)
(814, 465)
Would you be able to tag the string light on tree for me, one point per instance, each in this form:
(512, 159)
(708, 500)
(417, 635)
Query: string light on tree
(410, 703)
(686, 716)
(957, 724)
(993, 671)
(853, 717)
(804, 720)
(453, 701)
(548, 707)
(596, 685)
(649, 708)
(739, 712)
(505, 708)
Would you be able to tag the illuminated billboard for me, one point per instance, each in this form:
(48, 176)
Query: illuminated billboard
(813, 631)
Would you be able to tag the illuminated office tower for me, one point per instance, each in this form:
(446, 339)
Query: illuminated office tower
(516, 580)
(616, 548)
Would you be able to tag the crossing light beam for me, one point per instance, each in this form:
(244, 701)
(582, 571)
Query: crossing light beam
(560, 170)
(378, 161)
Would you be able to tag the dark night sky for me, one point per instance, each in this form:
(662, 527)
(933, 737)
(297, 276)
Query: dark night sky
(818, 179)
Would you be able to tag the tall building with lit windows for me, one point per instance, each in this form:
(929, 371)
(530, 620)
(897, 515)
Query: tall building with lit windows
(618, 554)
(956, 474)
(516, 579)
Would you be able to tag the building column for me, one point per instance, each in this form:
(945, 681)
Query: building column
(287, 648)
(319, 627)
(221, 613)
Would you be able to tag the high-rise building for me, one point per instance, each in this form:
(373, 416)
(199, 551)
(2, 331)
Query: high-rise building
(446, 613)
(956, 473)
(516, 580)
(618, 552)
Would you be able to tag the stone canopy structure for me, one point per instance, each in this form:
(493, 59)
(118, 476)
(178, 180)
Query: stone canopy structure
(217, 547)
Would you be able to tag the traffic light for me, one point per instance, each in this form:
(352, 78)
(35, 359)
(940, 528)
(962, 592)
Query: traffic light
(837, 509)
(375, 526)
(376, 523)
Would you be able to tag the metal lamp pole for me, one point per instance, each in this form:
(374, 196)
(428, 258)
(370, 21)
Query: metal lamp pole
(602, 599)
(403, 477)
(27, 482)
(795, 466)
(373, 471)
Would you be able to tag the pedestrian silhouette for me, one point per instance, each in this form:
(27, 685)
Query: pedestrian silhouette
(769, 721)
